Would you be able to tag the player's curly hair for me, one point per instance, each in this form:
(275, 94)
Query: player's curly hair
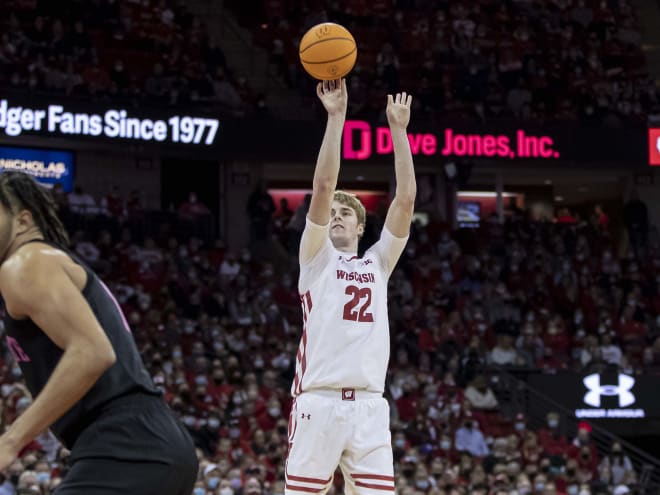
(354, 202)
(19, 191)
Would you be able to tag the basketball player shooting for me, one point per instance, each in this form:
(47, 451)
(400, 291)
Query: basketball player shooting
(339, 416)
(71, 340)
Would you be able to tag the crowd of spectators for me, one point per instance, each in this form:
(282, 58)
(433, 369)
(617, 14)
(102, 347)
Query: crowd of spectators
(218, 332)
(531, 60)
(142, 51)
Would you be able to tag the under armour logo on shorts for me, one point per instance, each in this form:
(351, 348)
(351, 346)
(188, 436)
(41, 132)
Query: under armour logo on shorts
(309, 416)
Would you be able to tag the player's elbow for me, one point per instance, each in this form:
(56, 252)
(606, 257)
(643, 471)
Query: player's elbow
(107, 359)
(101, 357)
(92, 359)
(406, 199)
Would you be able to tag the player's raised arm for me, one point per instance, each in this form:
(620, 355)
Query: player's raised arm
(334, 96)
(401, 210)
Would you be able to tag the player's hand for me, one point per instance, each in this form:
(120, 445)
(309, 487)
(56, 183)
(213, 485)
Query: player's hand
(8, 453)
(334, 96)
(398, 110)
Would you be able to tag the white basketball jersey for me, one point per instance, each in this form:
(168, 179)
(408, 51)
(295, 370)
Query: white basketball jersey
(345, 341)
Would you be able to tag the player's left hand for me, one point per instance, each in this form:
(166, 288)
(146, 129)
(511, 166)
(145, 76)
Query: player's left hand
(398, 110)
(8, 453)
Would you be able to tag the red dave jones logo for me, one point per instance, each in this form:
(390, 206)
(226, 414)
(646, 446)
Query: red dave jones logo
(359, 143)
(654, 146)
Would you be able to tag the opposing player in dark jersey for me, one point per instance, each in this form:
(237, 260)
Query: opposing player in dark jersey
(80, 362)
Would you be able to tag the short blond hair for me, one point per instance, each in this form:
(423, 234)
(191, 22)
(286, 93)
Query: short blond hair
(352, 200)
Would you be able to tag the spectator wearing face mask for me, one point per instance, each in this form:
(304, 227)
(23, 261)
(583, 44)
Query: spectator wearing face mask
(531, 450)
(199, 489)
(422, 481)
(43, 473)
(584, 452)
(447, 449)
(571, 477)
(616, 467)
(469, 438)
(551, 439)
(252, 486)
(540, 481)
(211, 475)
(520, 427)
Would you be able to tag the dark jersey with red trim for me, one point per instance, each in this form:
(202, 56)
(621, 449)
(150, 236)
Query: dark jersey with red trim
(37, 355)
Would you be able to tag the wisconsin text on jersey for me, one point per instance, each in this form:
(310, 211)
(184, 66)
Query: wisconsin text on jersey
(361, 278)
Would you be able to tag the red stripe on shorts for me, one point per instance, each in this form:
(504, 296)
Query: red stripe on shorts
(375, 487)
(372, 477)
(304, 488)
(304, 479)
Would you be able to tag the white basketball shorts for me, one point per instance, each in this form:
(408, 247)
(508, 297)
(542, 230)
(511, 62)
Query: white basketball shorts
(346, 428)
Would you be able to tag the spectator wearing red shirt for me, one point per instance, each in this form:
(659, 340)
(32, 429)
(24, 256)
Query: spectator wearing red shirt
(113, 203)
(603, 220)
(218, 386)
(564, 216)
(531, 450)
(552, 441)
(583, 449)
(406, 405)
(556, 337)
(426, 341)
(193, 208)
(446, 449)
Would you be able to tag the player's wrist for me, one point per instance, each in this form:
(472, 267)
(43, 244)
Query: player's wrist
(337, 115)
(10, 442)
(398, 128)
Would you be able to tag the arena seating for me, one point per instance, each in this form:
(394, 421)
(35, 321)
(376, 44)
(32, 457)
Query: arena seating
(218, 331)
(478, 60)
(147, 52)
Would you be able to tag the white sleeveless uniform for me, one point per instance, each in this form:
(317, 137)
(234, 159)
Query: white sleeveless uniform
(339, 417)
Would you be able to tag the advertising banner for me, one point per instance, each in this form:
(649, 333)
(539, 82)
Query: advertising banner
(361, 141)
(617, 400)
(116, 123)
(204, 130)
(47, 166)
(500, 140)
(654, 146)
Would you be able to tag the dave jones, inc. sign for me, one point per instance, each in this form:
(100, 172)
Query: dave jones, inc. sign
(113, 123)
(361, 141)
(619, 397)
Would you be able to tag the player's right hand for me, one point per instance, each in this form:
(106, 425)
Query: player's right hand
(334, 96)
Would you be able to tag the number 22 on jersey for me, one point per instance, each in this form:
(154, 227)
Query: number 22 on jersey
(357, 308)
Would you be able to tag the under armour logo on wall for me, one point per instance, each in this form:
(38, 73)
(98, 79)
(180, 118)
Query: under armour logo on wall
(596, 390)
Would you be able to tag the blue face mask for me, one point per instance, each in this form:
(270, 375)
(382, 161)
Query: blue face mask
(213, 482)
(199, 491)
(43, 478)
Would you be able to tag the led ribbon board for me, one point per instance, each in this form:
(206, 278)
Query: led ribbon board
(113, 123)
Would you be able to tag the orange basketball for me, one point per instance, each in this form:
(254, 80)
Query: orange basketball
(328, 51)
